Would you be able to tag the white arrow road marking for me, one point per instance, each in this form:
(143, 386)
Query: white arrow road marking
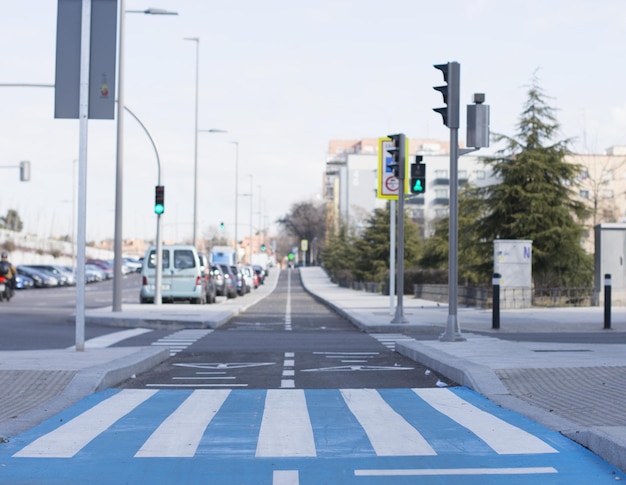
(225, 365)
(349, 368)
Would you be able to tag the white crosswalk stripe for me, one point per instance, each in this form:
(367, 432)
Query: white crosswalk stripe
(280, 423)
(389, 339)
(182, 339)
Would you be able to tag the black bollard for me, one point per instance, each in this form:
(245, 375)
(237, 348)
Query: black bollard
(495, 317)
(607, 301)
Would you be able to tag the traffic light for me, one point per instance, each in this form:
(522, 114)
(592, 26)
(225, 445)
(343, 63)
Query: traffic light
(451, 75)
(159, 199)
(418, 176)
(397, 153)
(262, 247)
(221, 226)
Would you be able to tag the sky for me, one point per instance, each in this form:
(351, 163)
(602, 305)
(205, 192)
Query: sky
(283, 78)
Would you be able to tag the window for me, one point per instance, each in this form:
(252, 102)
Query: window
(480, 174)
(607, 176)
(183, 259)
(165, 259)
(584, 194)
(441, 174)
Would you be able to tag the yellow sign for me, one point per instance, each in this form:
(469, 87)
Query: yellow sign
(388, 183)
(304, 245)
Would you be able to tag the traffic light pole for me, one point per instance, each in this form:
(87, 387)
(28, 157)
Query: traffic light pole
(453, 329)
(399, 316)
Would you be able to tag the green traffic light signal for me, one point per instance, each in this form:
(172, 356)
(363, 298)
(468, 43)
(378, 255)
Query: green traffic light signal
(159, 199)
(291, 256)
(262, 247)
(417, 188)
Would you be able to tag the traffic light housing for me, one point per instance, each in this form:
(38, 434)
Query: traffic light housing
(397, 152)
(418, 176)
(451, 75)
(221, 226)
(262, 247)
(159, 199)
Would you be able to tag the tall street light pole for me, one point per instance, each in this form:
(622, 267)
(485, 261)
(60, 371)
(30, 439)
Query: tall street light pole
(195, 145)
(251, 231)
(117, 238)
(212, 130)
(236, 143)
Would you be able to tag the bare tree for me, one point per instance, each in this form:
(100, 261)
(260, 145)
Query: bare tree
(306, 221)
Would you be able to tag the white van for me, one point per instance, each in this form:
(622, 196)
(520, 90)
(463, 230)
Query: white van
(182, 278)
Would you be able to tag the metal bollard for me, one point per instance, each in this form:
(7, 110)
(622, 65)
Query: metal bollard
(495, 316)
(607, 301)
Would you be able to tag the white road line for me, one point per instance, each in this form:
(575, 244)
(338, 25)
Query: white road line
(286, 427)
(501, 436)
(180, 434)
(288, 309)
(454, 471)
(286, 477)
(388, 432)
(112, 338)
(70, 438)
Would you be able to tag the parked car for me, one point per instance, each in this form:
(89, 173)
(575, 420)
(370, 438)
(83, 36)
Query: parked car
(261, 273)
(104, 266)
(210, 288)
(241, 282)
(132, 264)
(230, 279)
(250, 276)
(66, 278)
(42, 279)
(94, 273)
(23, 282)
(218, 277)
(182, 277)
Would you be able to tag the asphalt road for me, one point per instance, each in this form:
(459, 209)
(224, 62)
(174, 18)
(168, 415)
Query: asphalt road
(288, 340)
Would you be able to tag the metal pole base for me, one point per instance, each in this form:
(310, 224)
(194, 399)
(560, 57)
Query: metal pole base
(453, 331)
(399, 318)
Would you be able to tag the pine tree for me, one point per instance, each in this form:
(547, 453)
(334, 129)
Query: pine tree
(535, 198)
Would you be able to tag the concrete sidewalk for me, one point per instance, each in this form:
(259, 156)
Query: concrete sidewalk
(577, 389)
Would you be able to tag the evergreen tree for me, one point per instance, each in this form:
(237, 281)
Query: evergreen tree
(535, 198)
(339, 255)
(475, 255)
(373, 246)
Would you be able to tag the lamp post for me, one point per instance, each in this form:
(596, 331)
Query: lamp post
(195, 144)
(117, 238)
(236, 143)
(251, 231)
(195, 194)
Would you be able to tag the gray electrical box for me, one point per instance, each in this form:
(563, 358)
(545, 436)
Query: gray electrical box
(478, 122)
(610, 252)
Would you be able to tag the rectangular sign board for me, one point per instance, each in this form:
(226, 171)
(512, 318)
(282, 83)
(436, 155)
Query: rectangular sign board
(388, 183)
(102, 59)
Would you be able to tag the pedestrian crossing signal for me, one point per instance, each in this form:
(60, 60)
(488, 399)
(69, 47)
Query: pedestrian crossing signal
(418, 176)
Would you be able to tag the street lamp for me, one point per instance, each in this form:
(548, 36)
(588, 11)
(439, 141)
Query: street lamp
(250, 258)
(236, 143)
(195, 144)
(195, 183)
(117, 238)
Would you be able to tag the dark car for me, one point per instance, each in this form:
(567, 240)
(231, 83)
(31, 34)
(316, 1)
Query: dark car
(260, 273)
(241, 284)
(209, 288)
(23, 282)
(218, 277)
(230, 280)
(65, 278)
(42, 279)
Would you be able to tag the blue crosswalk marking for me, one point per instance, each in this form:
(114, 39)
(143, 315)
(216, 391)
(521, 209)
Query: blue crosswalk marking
(287, 423)
(295, 436)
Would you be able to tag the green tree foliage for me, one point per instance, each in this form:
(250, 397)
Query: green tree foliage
(475, 254)
(340, 255)
(535, 197)
(306, 220)
(12, 221)
(373, 247)
(366, 257)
